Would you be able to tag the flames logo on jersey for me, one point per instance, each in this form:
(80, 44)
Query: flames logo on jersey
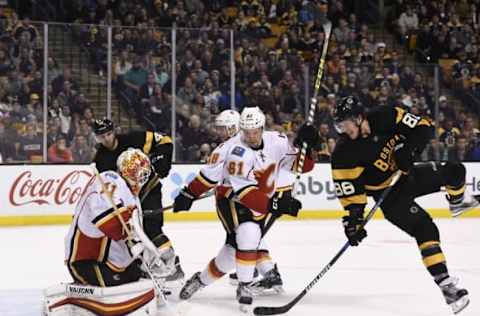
(263, 177)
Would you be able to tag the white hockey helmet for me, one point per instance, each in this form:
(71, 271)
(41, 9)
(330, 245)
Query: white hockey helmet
(229, 119)
(134, 166)
(252, 118)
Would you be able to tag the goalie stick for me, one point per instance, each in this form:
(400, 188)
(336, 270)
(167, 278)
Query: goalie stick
(311, 113)
(127, 230)
(266, 310)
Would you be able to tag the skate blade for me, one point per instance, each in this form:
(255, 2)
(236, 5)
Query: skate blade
(460, 305)
(275, 290)
(245, 308)
(474, 205)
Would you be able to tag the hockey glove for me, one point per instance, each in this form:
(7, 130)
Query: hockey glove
(309, 135)
(183, 201)
(284, 205)
(351, 223)
(403, 157)
(161, 164)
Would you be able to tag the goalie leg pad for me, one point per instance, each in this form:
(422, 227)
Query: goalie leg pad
(133, 299)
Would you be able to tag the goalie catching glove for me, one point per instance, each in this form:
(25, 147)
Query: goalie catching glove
(351, 224)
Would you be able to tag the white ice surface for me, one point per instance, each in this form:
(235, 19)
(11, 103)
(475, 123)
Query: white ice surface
(384, 276)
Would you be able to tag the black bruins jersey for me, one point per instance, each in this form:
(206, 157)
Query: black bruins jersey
(148, 142)
(367, 164)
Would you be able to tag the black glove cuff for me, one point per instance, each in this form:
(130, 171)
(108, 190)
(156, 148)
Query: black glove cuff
(187, 193)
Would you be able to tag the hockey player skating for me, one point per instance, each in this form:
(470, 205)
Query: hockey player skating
(101, 247)
(373, 146)
(159, 148)
(245, 170)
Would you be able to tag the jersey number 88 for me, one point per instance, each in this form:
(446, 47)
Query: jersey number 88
(344, 188)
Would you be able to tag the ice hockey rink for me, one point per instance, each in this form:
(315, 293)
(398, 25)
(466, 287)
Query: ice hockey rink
(383, 276)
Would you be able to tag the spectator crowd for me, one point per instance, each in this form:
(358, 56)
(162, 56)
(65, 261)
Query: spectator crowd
(276, 51)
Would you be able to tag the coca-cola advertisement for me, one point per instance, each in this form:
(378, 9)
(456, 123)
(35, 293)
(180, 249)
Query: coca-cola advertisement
(44, 189)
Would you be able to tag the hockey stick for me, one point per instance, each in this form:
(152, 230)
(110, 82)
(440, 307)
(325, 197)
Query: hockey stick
(167, 208)
(265, 310)
(311, 113)
(127, 230)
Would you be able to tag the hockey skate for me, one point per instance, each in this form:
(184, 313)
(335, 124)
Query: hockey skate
(175, 279)
(463, 204)
(244, 296)
(233, 278)
(193, 285)
(271, 283)
(456, 297)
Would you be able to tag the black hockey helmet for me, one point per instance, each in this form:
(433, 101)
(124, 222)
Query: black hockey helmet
(102, 126)
(349, 107)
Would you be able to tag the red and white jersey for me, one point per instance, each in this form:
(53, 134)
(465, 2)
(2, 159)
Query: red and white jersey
(96, 232)
(237, 165)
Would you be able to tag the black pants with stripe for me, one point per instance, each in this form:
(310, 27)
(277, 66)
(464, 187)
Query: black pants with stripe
(153, 223)
(90, 272)
(400, 208)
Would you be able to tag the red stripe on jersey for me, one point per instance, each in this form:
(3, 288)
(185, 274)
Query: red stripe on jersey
(214, 271)
(198, 187)
(255, 200)
(111, 225)
(87, 248)
(246, 256)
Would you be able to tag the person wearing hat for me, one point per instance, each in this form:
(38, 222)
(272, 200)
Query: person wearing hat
(159, 148)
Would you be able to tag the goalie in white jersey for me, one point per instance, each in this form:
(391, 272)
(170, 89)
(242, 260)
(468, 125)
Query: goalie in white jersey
(96, 245)
(246, 170)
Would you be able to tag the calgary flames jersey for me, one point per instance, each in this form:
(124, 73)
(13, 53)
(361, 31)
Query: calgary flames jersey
(367, 164)
(96, 232)
(251, 175)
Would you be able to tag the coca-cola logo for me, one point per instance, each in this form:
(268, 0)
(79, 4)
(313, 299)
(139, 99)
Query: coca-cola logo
(66, 190)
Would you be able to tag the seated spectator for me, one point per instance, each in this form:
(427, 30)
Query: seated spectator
(408, 22)
(30, 146)
(58, 152)
(5, 63)
(82, 153)
(136, 77)
(448, 133)
(434, 151)
(7, 149)
(193, 135)
(188, 92)
(123, 65)
(459, 151)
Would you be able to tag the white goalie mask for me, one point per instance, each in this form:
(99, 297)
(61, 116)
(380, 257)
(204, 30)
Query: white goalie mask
(230, 120)
(134, 166)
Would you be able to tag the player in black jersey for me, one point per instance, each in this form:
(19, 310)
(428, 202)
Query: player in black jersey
(159, 148)
(373, 146)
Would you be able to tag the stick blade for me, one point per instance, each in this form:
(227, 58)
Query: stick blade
(266, 310)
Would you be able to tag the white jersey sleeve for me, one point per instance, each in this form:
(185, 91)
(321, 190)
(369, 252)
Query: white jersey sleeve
(213, 170)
